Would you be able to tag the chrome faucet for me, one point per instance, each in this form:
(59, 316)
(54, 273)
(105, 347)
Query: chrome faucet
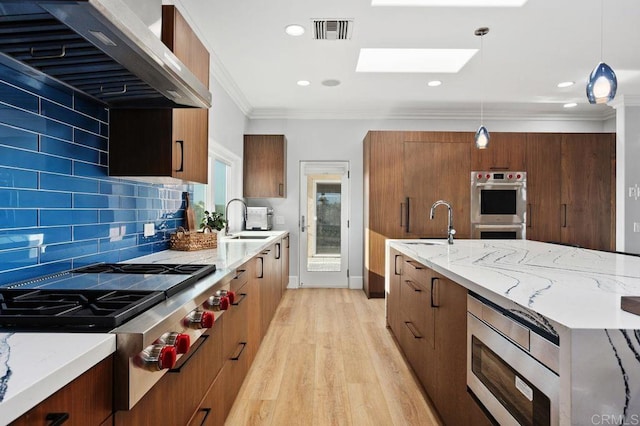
(226, 213)
(450, 231)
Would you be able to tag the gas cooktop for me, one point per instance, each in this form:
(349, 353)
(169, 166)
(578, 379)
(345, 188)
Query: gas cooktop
(94, 298)
(168, 278)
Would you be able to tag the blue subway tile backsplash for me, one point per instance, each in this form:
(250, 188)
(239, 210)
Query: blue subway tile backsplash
(59, 209)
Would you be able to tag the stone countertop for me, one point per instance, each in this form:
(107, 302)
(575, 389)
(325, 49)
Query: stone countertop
(576, 288)
(33, 366)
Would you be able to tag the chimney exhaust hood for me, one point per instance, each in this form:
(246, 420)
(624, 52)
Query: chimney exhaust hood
(99, 47)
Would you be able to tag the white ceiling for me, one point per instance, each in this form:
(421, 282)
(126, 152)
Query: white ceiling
(526, 53)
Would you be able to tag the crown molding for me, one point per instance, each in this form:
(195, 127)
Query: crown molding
(625, 101)
(423, 114)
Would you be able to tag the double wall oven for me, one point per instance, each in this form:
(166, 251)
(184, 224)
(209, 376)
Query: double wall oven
(498, 205)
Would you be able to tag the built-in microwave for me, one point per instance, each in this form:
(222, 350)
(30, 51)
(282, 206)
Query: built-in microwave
(498, 197)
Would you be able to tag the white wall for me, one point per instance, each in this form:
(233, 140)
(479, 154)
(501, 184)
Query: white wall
(342, 140)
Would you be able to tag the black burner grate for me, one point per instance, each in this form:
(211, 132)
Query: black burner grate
(84, 310)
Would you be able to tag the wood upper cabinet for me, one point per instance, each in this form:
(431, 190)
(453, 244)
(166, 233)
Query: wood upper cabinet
(264, 166)
(506, 151)
(437, 171)
(87, 400)
(165, 145)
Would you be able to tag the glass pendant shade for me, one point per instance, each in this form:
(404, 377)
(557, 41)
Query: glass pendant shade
(482, 137)
(602, 84)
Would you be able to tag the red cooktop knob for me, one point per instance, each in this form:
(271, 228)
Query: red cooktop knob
(232, 296)
(167, 357)
(182, 344)
(479, 175)
(510, 176)
(518, 176)
(208, 319)
(224, 303)
(488, 176)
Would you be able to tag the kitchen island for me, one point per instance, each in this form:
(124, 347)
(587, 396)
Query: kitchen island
(569, 292)
(35, 365)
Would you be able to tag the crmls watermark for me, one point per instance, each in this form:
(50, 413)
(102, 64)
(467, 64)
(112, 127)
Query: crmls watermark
(615, 419)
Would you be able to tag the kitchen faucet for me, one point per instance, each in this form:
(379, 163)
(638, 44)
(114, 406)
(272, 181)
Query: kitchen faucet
(226, 213)
(450, 231)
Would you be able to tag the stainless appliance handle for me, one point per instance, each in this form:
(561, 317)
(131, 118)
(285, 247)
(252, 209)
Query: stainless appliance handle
(499, 184)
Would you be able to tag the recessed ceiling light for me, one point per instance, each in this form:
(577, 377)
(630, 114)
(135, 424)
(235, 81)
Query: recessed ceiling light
(450, 3)
(331, 83)
(294, 30)
(566, 84)
(434, 83)
(570, 105)
(303, 83)
(413, 60)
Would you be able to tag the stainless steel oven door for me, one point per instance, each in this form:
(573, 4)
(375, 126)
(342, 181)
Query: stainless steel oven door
(515, 231)
(514, 387)
(498, 198)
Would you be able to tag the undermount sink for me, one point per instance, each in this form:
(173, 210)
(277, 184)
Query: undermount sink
(427, 243)
(249, 237)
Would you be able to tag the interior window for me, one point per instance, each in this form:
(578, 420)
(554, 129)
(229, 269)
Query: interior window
(212, 196)
(220, 173)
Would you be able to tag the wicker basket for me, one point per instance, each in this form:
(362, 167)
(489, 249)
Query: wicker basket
(192, 240)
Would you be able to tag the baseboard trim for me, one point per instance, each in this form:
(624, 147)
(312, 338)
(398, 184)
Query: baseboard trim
(293, 282)
(356, 283)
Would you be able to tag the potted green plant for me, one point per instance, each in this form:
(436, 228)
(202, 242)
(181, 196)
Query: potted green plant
(214, 220)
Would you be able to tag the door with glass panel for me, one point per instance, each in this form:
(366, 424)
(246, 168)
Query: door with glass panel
(324, 224)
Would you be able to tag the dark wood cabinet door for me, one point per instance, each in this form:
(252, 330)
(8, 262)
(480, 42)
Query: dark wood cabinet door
(437, 171)
(544, 185)
(87, 400)
(165, 144)
(264, 166)
(178, 36)
(588, 190)
(506, 151)
(451, 350)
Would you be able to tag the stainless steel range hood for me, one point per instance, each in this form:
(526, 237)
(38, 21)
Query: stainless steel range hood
(99, 47)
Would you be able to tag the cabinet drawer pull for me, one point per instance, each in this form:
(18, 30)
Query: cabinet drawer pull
(413, 286)
(395, 265)
(206, 412)
(564, 215)
(57, 419)
(241, 345)
(240, 299)
(413, 330)
(435, 294)
(181, 168)
(278, 251)
(415, 265)
(281, 189)
(261, 275)
(288, 242)
(239, 273)
(189, 355)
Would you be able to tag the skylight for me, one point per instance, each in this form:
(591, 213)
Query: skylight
(450, 3)
(413, 60)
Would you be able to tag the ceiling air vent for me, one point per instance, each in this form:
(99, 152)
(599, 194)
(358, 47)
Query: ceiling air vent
(332, 29)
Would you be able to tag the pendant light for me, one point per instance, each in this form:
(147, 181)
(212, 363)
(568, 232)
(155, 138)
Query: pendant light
(602, 84)
(482, 134)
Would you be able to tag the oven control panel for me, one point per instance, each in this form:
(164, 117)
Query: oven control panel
(495, 177)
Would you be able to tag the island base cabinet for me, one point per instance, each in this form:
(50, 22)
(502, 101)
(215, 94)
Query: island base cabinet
(87, 400)
(427, 313)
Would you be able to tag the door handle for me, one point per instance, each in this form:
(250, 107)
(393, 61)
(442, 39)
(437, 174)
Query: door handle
(408, 202)
(181, 168)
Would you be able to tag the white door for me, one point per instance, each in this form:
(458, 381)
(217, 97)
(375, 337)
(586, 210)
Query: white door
(324, 224)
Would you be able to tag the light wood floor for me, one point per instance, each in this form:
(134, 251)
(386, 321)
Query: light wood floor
(328, 359)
